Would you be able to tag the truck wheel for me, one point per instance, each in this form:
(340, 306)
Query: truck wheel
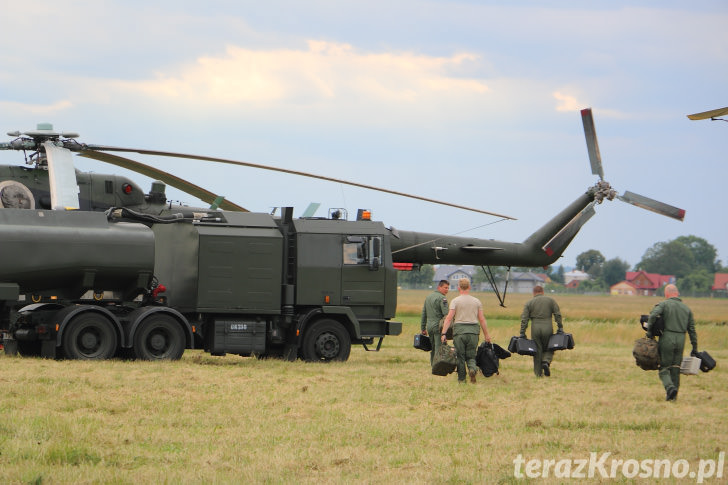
(326, 340)
(159, 337)
(89, 336)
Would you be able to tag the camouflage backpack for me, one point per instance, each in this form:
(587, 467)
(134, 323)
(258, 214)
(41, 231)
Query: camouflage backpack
(646, 354)
(445, 360)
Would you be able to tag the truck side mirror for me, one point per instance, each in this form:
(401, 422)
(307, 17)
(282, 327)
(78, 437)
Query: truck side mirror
(375, 253)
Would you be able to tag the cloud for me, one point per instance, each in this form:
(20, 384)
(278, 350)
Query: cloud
(324, 72)
(36, 109)
(567, 102)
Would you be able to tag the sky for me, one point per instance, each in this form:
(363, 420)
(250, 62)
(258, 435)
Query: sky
(472, 102)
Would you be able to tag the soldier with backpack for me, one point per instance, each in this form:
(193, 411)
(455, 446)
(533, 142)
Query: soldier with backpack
(678, 319)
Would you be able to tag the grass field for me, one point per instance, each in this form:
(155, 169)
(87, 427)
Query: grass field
(381, 417)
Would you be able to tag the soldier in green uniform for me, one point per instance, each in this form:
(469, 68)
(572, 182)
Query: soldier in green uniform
(465, 313)
(434, 310)
(539, 310)
(678, 319)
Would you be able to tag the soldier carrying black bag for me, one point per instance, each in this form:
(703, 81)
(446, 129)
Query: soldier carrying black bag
(539, 310)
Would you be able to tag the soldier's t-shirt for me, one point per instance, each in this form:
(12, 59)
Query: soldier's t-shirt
(466, 309)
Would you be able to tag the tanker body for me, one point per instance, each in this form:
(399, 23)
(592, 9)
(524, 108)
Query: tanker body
(87, 286)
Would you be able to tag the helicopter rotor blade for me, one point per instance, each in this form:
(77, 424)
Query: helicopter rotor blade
(171, 180)
(558, 243)
(709, 114)
(96, 148)
(61, 178)
(592, 145)
(652, 205)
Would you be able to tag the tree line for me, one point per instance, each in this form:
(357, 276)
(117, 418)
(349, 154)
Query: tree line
(691, 259)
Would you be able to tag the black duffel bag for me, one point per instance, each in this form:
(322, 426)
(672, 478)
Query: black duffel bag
(486, 359)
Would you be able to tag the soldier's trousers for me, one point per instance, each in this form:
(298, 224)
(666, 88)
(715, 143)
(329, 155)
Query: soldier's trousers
(434, 333)
(465, 341)
(671, 345)
(540, 333)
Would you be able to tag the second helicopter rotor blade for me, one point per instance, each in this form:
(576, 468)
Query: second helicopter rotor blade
(558, 243)
(652, 205)
(172, 180)
(592, 145)
(288, 171)
(709, 114)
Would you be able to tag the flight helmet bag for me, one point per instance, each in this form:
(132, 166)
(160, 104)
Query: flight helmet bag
(646, 354)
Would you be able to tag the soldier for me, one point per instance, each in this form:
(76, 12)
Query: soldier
(465, 313)
(678, 319)
(433, 311)
(539, 310)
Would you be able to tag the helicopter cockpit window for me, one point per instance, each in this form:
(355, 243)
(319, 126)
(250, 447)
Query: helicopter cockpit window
(355, 250)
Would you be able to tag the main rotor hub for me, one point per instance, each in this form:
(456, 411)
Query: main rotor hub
(602, 190)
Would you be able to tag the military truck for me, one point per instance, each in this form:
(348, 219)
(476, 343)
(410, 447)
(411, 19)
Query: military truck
(88, 285)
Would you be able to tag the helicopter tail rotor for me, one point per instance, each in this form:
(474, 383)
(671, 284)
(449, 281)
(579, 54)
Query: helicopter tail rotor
(595, 160)
(601, 191)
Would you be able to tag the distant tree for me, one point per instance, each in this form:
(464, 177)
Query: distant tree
(672, 257)
(479, 276)
(704, 254)
(697, 283)
(590, 262)
(417, 279)
(557, 275)
(592, 286)
(614, 271)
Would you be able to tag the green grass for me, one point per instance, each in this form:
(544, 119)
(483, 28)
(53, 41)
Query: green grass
(381, 417)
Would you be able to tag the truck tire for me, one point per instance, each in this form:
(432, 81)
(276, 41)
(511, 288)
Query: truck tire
(159, 337)
(89, 336)
(326, 340)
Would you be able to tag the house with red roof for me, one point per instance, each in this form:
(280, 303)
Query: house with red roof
(641, 283)
(720, 284)
(623, 288)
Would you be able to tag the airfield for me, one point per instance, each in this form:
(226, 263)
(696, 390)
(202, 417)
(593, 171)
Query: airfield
(380, 417)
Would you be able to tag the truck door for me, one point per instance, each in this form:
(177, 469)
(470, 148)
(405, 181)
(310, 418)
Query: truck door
(362, 276)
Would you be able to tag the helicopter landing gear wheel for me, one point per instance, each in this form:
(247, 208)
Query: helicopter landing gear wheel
(89, 336)
(326, 340)
(159, 337)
